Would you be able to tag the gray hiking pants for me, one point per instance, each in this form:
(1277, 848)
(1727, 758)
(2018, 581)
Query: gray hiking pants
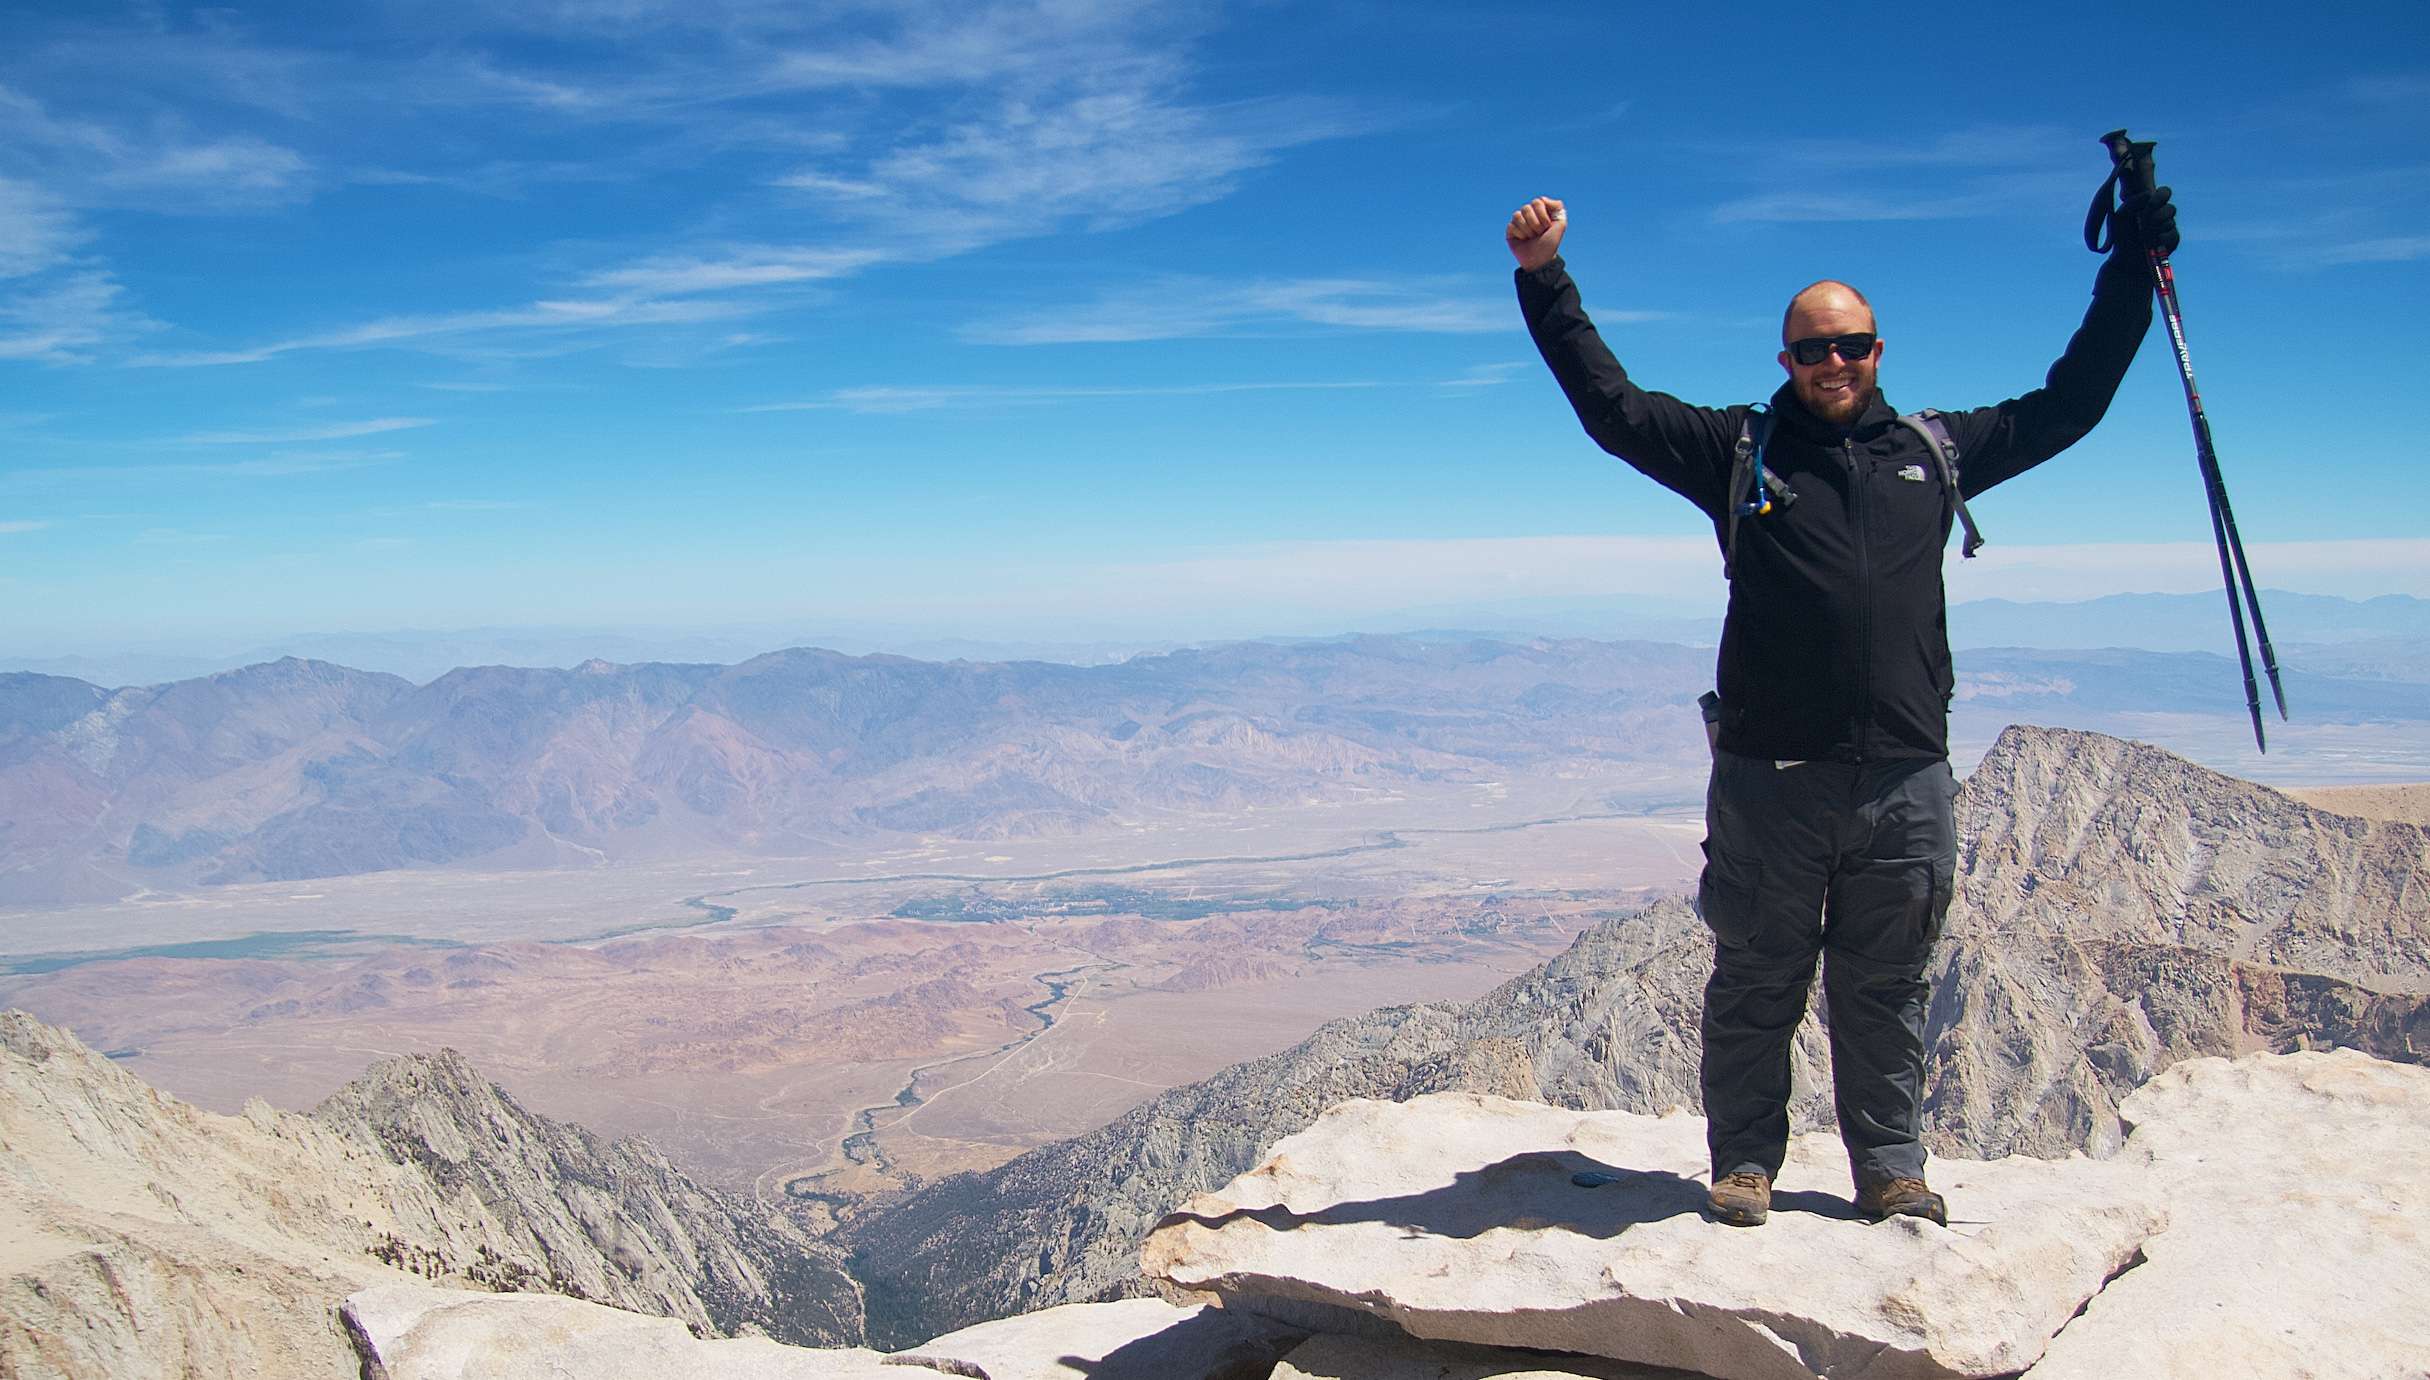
(1851, 863)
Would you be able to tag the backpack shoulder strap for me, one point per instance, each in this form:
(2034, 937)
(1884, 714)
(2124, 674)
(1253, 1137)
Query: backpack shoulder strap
(1754, 429)
(1934, 429)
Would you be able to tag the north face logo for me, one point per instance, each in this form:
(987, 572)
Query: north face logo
(1913, 474)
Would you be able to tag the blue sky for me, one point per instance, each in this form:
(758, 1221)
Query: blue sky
(1091, 317)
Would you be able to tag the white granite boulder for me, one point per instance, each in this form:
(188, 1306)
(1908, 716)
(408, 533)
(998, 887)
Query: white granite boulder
(2299, 1239)
(415, 1332)
(1458, 1217)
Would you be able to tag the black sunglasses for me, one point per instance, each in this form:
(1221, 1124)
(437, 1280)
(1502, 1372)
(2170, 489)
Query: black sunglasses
(1851, 348)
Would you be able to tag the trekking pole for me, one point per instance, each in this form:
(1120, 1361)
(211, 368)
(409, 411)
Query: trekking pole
(2133, 175)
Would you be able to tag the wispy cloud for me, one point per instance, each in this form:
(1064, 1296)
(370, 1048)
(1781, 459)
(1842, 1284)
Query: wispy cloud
(1103, 159)
(239, 170)
(1102, 154)
(424, 509)
(1979, 148)
(549, 316)
(999, 120)
(2409, 91)
(748, 267)
(1487, 375)
(1954, 174)
(687, 65)
(217, 61)
(1834, 206)
(884, 399)
(322, 462)
(2334, 222)
(1071, 115)
(67, 306)
(849, 188)
(672, 290)
(160, 167)
(1180, 308)
(268, 467)
(562, 96)
(940, 45)
(494, 386)
(16, 525)
(176, 536)
(2385, 249)
(65, 317)
(36, 231)
(1972, 198)
(337, 432)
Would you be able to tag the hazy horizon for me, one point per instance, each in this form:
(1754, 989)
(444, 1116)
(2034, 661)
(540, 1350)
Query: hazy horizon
(417, 652)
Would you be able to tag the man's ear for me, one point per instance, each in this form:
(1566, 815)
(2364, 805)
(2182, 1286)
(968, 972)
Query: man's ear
(1784, 364)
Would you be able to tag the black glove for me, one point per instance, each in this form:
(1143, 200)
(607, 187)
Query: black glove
(2145, 223)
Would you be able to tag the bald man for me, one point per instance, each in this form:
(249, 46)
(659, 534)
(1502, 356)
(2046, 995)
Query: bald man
(1829, 820)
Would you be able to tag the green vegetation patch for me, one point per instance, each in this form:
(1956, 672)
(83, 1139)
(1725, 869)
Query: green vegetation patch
(281, 944)
(976, 906)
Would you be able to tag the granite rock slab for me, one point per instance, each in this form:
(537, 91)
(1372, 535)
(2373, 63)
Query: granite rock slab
(2299, 1236)
(1461, 1217)
(416, 1332)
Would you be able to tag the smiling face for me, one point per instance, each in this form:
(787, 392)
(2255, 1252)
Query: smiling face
(1834, 389)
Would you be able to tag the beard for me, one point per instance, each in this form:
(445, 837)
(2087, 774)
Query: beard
(1838, 406)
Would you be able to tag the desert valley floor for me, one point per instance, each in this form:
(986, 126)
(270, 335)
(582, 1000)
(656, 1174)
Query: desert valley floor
(840, 1022)
(847, 1022)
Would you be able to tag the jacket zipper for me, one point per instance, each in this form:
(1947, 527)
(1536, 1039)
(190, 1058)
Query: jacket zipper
(1860, 477)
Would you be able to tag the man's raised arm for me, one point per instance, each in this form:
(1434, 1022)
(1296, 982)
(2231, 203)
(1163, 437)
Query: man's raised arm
(1685, 449)
(1999, 443)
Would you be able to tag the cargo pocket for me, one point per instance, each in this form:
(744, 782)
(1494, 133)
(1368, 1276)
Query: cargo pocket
(1888, 911)
(1944, 890)
(1725, 896)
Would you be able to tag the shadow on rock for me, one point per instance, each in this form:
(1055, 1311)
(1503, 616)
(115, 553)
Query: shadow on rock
(1536, 1191)
(1184, 1349)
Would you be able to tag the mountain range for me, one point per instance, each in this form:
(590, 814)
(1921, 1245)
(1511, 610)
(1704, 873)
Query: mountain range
(304, 769)
(297, 769)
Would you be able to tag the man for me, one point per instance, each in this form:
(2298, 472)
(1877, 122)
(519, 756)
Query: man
(1829, 820)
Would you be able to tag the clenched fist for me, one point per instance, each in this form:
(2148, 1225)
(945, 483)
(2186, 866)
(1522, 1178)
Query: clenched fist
(1534, 232)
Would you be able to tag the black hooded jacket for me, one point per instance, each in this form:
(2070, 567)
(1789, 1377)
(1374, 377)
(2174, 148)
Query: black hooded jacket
(1836, 647)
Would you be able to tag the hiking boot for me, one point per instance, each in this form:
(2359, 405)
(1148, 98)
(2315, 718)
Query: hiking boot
(1742, 1199)
(1901, 1198)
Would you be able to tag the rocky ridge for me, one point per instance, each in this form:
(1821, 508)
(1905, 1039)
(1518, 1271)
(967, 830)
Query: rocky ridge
(2119, 909)
(614, 1221)
(140, 1235)
(1463, 1237)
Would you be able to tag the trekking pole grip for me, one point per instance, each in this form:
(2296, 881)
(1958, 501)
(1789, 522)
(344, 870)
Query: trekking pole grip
(2133, 161)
